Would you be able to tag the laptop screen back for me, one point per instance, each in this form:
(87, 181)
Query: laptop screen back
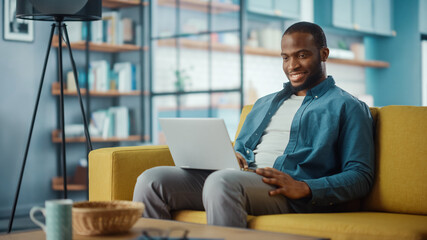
(199, 143)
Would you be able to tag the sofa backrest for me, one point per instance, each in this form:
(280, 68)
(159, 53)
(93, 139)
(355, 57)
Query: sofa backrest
(246, 109)
(401, 159)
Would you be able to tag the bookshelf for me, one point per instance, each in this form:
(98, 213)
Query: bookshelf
(108, 48)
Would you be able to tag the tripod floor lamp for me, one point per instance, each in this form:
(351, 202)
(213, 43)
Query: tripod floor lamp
(57, 12)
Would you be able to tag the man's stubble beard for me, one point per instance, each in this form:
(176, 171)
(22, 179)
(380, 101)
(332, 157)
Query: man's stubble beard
(311, 80)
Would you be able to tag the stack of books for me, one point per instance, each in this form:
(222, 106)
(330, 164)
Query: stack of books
(112, 122)
(123, 77)
(112, 30)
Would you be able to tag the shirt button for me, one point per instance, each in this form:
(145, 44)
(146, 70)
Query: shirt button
(330, 204)
(314, 202)
(247, 151)
(315, 97)
(269, 113)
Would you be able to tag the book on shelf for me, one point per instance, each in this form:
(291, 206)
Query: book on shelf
(127, 76)
(112, 29)
(96, 32)
(108, 126)
(71, 83)
(75, 31)
(112, 122)
(120, 117)
(128, 27)
(99, 76)
(124, 77)
(112, 32)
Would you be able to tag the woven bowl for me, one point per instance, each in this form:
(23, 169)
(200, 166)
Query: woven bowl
(98, 218)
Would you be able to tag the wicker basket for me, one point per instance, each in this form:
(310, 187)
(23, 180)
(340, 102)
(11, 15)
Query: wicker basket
(97, 218)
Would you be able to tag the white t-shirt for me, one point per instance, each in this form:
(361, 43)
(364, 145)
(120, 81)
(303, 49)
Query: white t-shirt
(276, 136)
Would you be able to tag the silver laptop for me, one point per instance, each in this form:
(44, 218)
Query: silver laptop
(199, 143)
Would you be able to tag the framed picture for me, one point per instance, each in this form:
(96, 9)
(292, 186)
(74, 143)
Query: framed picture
(15, 29)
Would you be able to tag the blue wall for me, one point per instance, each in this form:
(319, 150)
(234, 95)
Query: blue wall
(20, 70)
(400, 84)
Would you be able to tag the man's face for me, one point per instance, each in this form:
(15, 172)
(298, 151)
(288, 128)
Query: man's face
(302, 61)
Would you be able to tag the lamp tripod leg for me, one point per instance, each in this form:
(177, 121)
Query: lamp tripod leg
(12, 216)
(61, 108)
(86, 126)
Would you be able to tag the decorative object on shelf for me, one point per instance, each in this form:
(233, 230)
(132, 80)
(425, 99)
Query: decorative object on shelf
(359, 51)
(58, 12)
(13, 28)
(78, 182)
(182, 80)
(97, 218)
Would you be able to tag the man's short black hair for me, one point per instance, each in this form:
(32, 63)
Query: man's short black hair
(306, 27)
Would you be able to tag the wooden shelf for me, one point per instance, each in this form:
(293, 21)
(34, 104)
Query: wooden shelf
(110, 93)
(203, 45)
(57, 185)
(56, 138)
(122, 3)
(201, 6)
(78, 182)
(361, 63)
(99, 47)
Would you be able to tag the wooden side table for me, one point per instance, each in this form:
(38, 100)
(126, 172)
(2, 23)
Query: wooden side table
(195, 231)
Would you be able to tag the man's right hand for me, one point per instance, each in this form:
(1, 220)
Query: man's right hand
(241, 160)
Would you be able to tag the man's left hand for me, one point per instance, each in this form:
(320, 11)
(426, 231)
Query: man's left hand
(286, 185)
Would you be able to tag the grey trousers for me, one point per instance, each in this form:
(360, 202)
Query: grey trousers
(227, 196)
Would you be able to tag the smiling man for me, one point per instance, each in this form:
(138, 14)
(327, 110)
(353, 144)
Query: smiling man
(311, 144)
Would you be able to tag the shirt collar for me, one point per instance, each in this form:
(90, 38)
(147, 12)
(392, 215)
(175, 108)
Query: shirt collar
(322, 88)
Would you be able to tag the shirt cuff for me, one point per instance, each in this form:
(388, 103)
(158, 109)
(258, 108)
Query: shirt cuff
(318, 189)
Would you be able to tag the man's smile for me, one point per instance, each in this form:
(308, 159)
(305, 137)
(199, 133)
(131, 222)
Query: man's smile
(297, 76)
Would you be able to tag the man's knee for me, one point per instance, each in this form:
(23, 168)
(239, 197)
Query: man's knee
(157, 174)
(220, 184)
(151, 180)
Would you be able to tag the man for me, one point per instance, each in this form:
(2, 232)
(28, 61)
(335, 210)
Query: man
(312, 145)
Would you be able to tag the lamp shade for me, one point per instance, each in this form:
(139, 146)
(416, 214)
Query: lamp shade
(65, 10)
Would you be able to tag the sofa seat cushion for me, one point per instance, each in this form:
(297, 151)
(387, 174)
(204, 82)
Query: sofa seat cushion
(194, 216)
(190, 216)
(355, 225)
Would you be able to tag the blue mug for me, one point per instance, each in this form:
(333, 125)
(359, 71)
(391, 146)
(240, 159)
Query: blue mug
(58, 219)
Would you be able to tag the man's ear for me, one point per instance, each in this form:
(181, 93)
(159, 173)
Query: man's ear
(324, 54)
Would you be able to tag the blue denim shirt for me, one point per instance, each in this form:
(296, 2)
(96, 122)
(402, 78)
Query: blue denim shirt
(331, 144)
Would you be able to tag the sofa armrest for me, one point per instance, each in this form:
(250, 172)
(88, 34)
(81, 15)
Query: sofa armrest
(113, 171)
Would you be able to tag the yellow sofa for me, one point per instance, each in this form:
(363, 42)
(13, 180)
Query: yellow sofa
(396, 208)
